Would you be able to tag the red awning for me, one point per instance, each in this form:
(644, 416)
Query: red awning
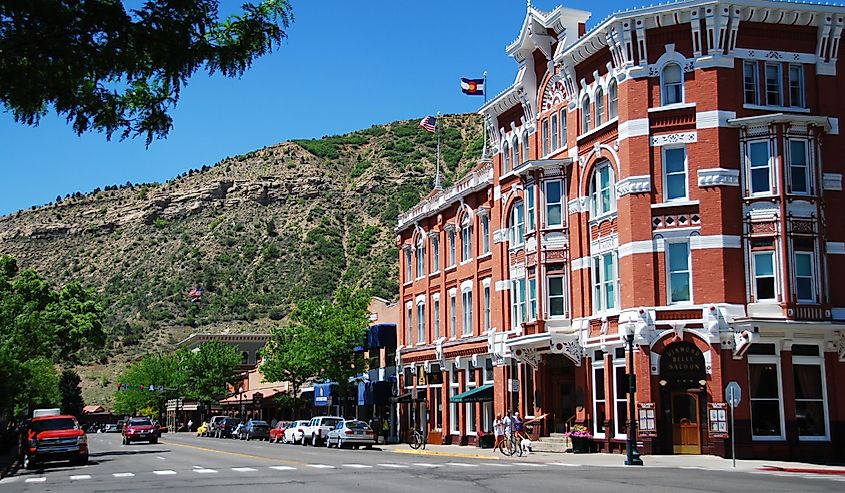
(247, 395)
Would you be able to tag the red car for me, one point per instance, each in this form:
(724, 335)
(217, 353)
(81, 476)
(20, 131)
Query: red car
(277, 434)
(50, 438)
(140, 430)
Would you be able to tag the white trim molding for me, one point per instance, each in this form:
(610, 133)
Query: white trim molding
(835, 247)
(633, 184)
(503, 285)
(580, 263)
(772, 55)
(637, 127)
(674, 138)
(713, 119)
(832, 182)
(715, 177)
(715, 241)
(637, 247)
(577, 205)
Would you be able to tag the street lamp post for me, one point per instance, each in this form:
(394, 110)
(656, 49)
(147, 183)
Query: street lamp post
(633, 455)
(241, 402)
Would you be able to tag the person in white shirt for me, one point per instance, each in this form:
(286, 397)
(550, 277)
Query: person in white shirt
(498, 430)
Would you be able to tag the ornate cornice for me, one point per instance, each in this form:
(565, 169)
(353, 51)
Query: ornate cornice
(716, 177)
(633, 184)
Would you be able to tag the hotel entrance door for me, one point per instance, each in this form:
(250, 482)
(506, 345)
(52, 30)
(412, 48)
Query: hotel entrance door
(686, 430)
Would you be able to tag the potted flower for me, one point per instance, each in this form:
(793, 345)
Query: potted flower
(580, 436)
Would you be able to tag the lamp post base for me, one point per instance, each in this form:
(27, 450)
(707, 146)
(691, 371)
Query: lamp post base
(633, 458)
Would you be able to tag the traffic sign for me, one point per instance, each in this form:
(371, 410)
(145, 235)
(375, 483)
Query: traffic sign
(733, 392)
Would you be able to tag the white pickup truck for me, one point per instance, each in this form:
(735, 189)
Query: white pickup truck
(318, 428)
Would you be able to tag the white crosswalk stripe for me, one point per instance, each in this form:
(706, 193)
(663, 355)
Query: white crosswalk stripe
(358, 466)
(395, 466)
(35, 480)
(320, 466)
(283, 468)
(426, 464)
(165, 472)
(77, 477)
(8, 480)
(497, 464)
(203, 470)
(461, 464)
(244, 469)
(123, 474)
(564, 464)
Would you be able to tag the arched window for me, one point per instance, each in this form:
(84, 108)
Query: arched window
(672, 84)
(599, 106)
(555, 141)
(602, 193)
(466, 238)
(421, 256)
(612, 99)
(525, 146)
(506, 157)
(585, 115)
(516, 224)
(515, 150)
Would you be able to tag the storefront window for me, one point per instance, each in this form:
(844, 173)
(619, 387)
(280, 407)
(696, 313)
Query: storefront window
(765, 394)
(453, 406)
(620, 385)
(528, 391)
(810, 402)
(599, 410)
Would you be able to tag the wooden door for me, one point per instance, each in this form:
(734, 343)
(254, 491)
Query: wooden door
(686, 430)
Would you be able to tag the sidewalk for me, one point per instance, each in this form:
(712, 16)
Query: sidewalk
(710, 462)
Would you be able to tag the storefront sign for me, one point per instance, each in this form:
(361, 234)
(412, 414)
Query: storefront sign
(435, 378)
(684, 361)
(647, 420)
(717, 414)
(421, 377)
(513, 384)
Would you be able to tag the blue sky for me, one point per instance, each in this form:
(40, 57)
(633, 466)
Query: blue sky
(345, 66)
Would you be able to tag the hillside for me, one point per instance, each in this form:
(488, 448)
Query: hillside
(255, 232)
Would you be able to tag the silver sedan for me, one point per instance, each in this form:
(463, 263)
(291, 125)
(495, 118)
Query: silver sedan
(351, 432)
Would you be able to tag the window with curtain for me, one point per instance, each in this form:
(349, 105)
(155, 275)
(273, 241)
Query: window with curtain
(672, 84)
(599, 106)
(554, 203)
(612, 99)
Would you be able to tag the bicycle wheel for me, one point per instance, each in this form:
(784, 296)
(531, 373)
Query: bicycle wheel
(416, 441)
(507, 447)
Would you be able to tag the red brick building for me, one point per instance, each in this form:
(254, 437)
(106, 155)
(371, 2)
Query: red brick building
(674, 172)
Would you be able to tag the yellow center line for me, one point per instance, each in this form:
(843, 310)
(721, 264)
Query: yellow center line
(239, 454)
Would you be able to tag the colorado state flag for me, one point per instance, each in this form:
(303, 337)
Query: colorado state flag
(473, 87)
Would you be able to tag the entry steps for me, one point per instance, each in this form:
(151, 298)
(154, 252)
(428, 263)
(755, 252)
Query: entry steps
(556, 442)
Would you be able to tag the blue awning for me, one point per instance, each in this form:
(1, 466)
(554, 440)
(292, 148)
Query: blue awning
(381, 335)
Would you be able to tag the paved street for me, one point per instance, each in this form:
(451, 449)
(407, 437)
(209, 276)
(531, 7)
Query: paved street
(188, 463)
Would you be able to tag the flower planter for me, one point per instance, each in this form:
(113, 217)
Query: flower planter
(580, 445)
(435, 437)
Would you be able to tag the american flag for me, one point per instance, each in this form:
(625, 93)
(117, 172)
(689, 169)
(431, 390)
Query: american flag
(429, 123)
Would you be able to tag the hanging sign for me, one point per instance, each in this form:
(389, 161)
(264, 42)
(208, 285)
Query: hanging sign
(717, 416)
(646, 416)
(421, 377)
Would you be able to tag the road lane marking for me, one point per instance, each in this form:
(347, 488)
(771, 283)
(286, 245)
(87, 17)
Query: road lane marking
(244, 469)
(427, 464)
(564, 464)
(160, 457)
(8, 480)
(238, 454)
(283, 468)
(320, 466)
(533, 464)
(203, 470)
(357, 466)
(123, 474)
(497, 464)
(166, 472)
(77, 477)
(461, 464)
(395, 466)
(36, 480)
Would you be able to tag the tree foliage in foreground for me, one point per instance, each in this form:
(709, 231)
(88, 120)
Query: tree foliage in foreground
(112, 69)
(319, 342)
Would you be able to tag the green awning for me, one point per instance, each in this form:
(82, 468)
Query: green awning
(478, 394)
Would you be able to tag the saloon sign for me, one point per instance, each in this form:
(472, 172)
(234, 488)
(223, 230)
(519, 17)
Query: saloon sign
(682, 361)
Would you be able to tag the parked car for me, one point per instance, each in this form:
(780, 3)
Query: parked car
(295, 432)
(202, 430)
(226, 428)
(52, 438)
(140, 430)
(110, 428)
(318, 428)
(214, 425)
(353, 433)
(277, 433)
(255, 430)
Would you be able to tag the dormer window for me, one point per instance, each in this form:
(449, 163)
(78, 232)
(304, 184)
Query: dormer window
(672, 84)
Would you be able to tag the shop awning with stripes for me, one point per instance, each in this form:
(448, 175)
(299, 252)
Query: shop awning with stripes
(478, 394)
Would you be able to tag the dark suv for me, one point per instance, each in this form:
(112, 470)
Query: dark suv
(255, 430)
(226, 428)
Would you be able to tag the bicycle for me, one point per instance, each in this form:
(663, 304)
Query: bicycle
(416, 439)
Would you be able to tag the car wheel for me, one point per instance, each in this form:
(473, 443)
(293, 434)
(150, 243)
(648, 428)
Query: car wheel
(328, 442)
(28, 463)
(313, 440)
(81, 461)
(153, 440)
(369, 447)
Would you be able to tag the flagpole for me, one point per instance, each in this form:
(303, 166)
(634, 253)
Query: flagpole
(484, 122)
(437, 134)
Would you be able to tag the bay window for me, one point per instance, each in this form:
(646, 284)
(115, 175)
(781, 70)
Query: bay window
(759, 167)
(605, 282)
(557, 297)
(765, 286)
(680, 278)
(805, 282)
(530, 217)
(532, 299)
(675, 173)
(799, 172)
(554, 203)
(517, 302)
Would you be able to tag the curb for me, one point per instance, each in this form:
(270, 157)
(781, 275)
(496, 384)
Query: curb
(444, 454)
(804, 470)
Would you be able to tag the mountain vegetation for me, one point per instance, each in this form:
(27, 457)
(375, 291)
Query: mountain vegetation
(228, 247)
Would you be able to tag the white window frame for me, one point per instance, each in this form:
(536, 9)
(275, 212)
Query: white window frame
(601, 283)
(454, 389)
(453, 314)
(525, 148)
(599, 365)
(779, 80)
(757, 359)
(408, 265)
(564, 141)
(530, 204)
(815, 361)
(612, 99)
(596, 202)
(505, 157)
(435, 303)
(599, 105)
(409, 320)
(562, 295)
(553, 123)
(466, 312)
(585, 114)
(485, 234)
(466, 239)
(756, 276)
(452, 254)
(667, 86)
(797, 83)
(518, 313)
(812, 276)
(516, 224)
(550, 205)
(470, 409)
(435, 254)
(667, 249)
(420, 253)
(515, 158)
(807, 175)
(666, 173)
(749, 167)
(546, 137)
(619, 426)
(421, 322)
(487, 302)
(532, 299)
(752, 69)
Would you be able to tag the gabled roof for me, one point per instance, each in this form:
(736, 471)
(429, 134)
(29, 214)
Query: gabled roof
(534, 31)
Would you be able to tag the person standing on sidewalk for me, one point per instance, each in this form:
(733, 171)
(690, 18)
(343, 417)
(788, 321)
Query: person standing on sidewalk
(385, 429)
(498, 431)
